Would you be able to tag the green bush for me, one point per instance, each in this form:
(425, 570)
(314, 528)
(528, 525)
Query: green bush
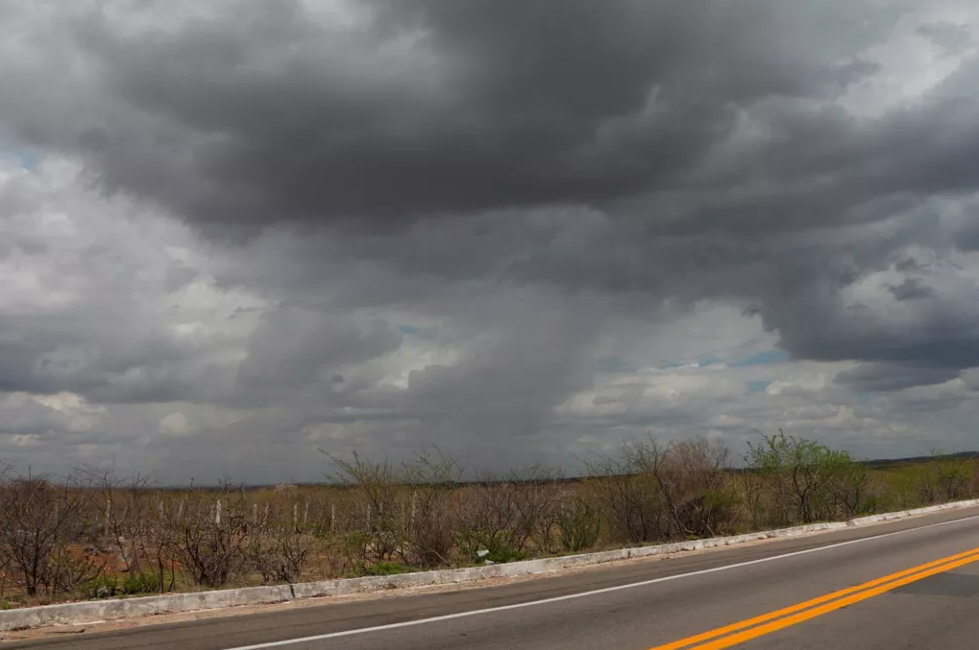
(141, 583)
(384, 569)
(479, 547)
(578, 525)
(805, 481)
(102, 586)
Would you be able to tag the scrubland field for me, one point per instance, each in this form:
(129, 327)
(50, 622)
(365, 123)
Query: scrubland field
(94, 534)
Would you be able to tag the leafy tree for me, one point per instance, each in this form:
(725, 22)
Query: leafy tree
(808, 481)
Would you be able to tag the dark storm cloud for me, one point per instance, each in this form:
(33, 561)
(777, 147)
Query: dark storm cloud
(935, 348)
(638, 107)
(889, 377)
(262, 114)
(967, 239)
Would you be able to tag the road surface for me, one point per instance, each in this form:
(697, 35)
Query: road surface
(907, 585)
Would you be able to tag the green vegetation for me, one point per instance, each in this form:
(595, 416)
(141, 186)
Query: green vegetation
(385, 569)
(142, 583)
(578, 524)
(803, 481)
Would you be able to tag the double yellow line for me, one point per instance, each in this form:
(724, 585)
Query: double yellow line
(729, 635)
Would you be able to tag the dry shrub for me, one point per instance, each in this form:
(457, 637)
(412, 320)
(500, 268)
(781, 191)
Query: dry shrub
(945, 479)
(205, 532)
(123, 508)
(43, 526)
(405, 514)
(79, 535)
(378, 522)
(506, 518)
(627, 495)
(539, 494)
(651, 492)
(433, 512)
(490, 522)
(691, 477)
(280, 543)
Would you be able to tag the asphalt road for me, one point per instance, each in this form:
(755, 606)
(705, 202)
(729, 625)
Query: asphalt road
(907, 585)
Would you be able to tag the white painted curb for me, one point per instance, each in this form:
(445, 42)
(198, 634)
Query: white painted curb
(104, 610)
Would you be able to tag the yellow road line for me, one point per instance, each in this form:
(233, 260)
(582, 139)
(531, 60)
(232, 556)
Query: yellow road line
(846, 597)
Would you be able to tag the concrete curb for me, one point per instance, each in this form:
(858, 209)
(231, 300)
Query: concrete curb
(889, 516)
(104, 610)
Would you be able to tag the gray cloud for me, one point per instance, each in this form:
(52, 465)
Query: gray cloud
(887, 377)
(295, 347)
(967, 238)
(255, 114)
(414, 221)
(911, 289)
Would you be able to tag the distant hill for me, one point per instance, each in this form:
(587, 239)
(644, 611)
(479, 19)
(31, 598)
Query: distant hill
(877, 463)
(884, 463)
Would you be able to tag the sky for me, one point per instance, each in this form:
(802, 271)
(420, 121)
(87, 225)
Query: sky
(236, 233)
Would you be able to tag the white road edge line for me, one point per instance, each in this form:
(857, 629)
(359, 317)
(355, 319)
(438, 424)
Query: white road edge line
(586, 594)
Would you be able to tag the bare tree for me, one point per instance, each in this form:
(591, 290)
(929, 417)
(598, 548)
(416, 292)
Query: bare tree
(627, 494)
(490, 521)
(279, 544)
(206, 533)
(122, 507)
(690, 475)
(538, 495)
(40, 521)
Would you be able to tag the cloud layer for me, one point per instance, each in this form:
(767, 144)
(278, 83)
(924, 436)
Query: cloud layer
(231, 235)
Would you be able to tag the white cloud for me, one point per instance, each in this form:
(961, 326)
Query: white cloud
(927, 46)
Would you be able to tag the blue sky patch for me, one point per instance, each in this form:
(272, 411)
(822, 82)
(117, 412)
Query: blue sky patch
(29, 159)
(614, 364)
(761, 359)
(757, 386)
(708, 360)
(410, 329)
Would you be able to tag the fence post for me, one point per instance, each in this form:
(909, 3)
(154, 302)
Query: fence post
(414, 507)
